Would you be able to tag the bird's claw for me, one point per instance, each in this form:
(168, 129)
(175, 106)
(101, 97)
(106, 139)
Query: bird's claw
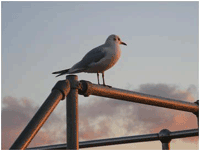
(106, 85)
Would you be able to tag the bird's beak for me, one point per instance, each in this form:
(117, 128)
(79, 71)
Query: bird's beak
(123, 43)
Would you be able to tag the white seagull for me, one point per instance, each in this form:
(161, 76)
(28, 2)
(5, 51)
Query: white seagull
(99, 59)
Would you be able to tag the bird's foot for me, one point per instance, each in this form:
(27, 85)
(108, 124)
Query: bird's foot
(106, 85)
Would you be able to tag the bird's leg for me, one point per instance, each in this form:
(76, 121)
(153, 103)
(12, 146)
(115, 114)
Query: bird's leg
(98, 77)
(103, 79)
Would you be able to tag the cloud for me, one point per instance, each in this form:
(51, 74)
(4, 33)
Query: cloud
(102, 118)
(88, 131)
(163, 118)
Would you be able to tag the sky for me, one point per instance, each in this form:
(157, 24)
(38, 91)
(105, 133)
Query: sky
(161, 57)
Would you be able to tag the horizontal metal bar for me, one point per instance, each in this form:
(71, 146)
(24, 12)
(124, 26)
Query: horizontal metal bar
(184, 133)
(93, 89)
(123, 140)
(59, 92)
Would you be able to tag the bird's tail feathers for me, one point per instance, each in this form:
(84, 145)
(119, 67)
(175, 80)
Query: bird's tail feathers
(68, 71)
(61, 72)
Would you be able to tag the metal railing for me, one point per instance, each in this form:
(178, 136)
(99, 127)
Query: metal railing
(164, 136)
(71, 87)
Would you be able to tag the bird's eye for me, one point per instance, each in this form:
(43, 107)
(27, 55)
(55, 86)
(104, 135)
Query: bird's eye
(119, 39)
(114, 39)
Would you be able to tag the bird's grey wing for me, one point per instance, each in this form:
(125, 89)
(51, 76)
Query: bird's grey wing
(92, 56)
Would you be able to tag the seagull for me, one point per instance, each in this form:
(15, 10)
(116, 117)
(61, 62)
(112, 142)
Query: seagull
(99, 59)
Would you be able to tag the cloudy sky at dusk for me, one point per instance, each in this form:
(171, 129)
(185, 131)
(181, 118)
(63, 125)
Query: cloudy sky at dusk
(161, 58)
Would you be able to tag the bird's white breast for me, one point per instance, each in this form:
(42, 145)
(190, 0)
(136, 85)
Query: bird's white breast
(112, 57)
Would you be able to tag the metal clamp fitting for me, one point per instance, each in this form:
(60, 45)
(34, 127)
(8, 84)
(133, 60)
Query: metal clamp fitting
(63, 86)
(164, 136)
(197, 113)
(86, 88)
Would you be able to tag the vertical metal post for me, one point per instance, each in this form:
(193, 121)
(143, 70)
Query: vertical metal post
(164, 138)
(72, 113)
(166, 146)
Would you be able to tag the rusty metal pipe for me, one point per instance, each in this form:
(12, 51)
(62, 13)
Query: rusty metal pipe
(72, 113)
(93, 89)
(59, 92)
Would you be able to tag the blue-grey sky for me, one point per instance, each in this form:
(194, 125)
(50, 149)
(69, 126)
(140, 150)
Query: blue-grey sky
(41, 37)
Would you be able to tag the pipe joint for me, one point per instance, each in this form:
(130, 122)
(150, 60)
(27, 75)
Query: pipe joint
(74, 83)
(86, 88)
(197, 113)
(164, 136)
(63, 86)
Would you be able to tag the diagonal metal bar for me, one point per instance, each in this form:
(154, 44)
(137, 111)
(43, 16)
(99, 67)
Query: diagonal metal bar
(59, 92)
(123, 140)
(93, 89)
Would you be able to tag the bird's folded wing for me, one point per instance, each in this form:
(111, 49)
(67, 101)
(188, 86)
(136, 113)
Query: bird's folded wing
(94, 56)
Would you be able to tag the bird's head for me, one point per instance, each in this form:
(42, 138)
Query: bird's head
(115, 39)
